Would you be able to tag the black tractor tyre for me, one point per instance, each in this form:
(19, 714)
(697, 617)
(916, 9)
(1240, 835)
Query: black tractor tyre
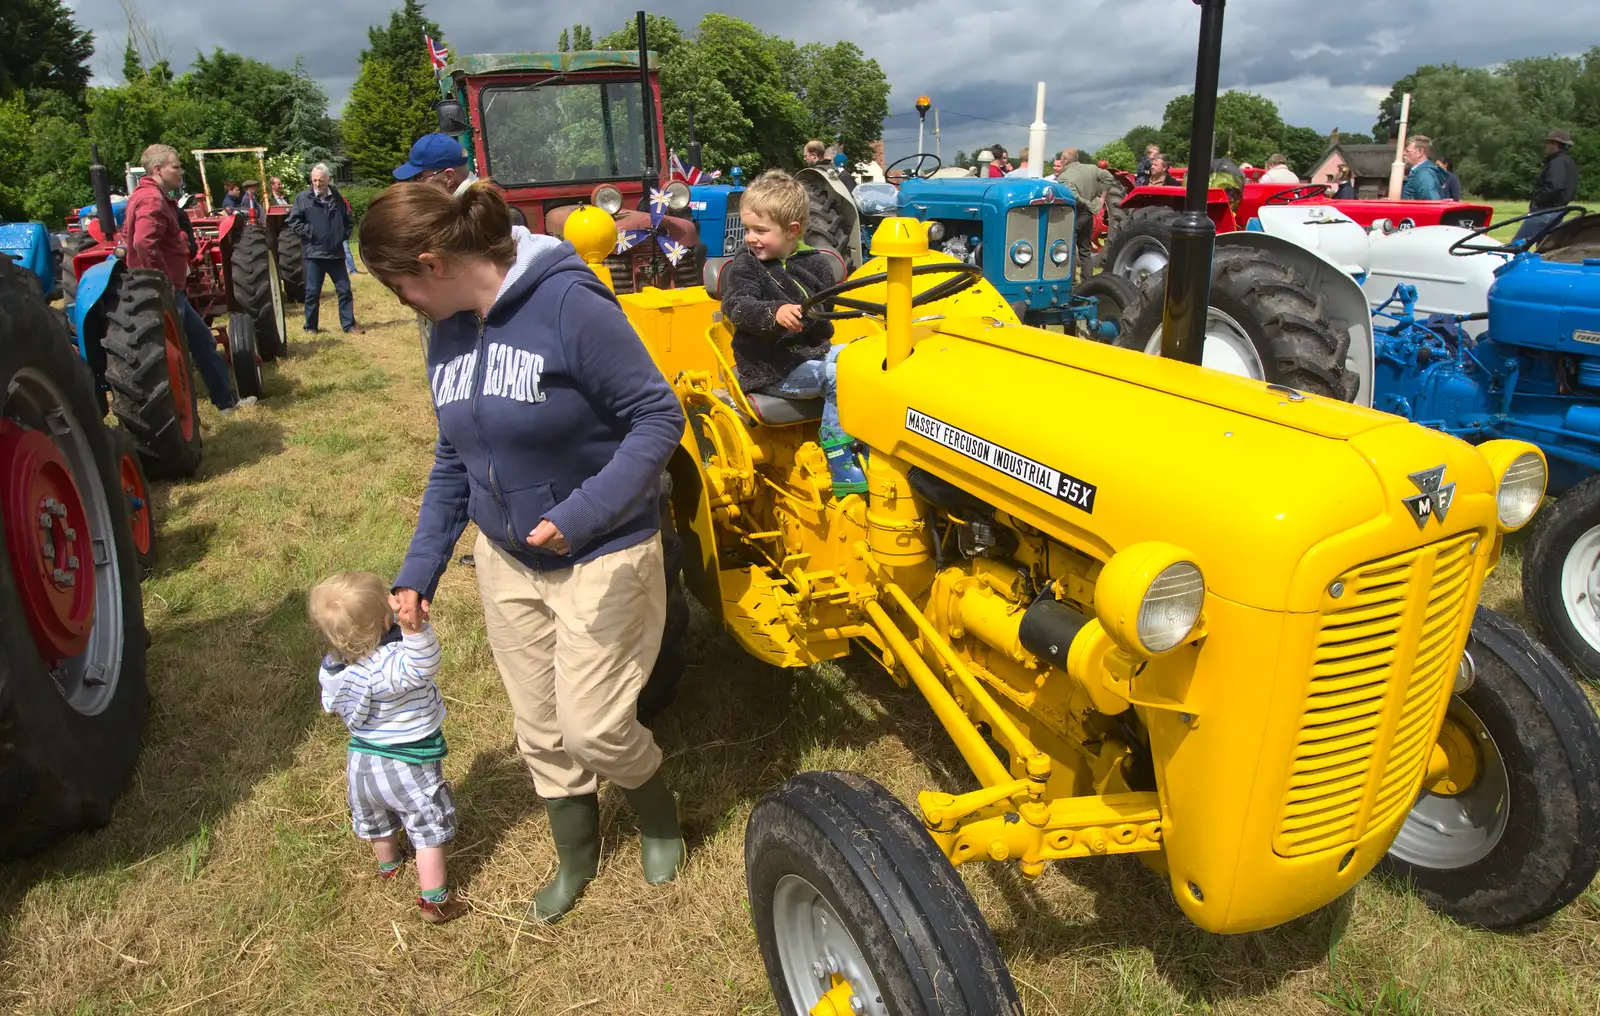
(661, 688)
(242, 355)
(1113, 296)
(292, 266)
(71, 247)
(1134, 230)
(837, 841)
(62, 769)
(1564, 539)
(1544, 732)
(136, 489)
(825, 224)
(1113, 205)
(252, 289)
(164, 419)
(1285, 320)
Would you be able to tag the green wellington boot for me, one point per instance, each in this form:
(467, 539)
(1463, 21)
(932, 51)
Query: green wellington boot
(843, 466)
(661, 846)
(575, 825)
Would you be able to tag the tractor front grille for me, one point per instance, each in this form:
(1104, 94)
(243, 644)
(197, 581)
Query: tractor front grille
(1381, 671)
(732, 227)
(623, 266)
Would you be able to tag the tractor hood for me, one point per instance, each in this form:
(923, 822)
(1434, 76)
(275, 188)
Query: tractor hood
(1103, 448)
(971, 197)
(1547, 303)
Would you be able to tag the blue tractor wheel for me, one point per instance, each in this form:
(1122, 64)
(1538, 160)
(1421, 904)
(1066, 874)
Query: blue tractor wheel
(1561, 576)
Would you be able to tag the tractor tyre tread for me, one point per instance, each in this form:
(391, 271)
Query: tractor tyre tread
(252, 288)
(1152, 221)
(1555, 530)
(137, 373)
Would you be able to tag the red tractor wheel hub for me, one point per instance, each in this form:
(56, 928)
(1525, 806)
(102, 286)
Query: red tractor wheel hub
(138, 502)
(47, 534)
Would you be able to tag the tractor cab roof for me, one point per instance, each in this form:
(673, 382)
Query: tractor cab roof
(478, 64)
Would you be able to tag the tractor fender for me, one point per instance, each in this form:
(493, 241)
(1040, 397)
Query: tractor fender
(1446, 284)
(92, 285)
(1321, 228)
(1347, 304)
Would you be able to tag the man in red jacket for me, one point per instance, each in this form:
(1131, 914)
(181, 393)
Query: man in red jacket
(152, 238)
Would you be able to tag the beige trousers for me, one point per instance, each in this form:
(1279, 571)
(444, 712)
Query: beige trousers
(574, 647)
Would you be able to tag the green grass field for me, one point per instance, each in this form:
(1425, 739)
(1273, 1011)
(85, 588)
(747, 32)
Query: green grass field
(228, 881)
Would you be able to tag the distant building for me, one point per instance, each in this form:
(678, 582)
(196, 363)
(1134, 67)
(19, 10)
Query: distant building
(1369, 163)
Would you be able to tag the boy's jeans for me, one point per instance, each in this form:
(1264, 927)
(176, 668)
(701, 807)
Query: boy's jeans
(203, 351)
(813, 379)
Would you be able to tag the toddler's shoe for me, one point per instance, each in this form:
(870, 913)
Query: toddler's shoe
(438, 913)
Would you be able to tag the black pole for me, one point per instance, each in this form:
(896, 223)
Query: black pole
(694, 146)
(647, 104)
(100, 183)
(1183, 316)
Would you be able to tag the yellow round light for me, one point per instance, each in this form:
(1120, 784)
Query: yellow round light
(924, 103)
(1148, 597)
(592, 231)
(1520, 477)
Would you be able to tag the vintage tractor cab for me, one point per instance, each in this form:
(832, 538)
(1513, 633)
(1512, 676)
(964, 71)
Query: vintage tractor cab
(1220, 623)
(557, 131)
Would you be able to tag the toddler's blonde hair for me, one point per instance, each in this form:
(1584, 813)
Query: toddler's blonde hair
(350, 611)
(777, 196)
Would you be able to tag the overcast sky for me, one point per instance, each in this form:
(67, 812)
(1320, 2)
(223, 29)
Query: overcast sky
(1108, 64)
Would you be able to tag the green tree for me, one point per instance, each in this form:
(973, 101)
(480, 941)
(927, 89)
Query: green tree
(664, 35)
(1139, 137)
(1302, 146)
(962, 161)
(1118, 155)
(845, 94)
(580, 37)
(16, 131)
(1254, 120)
(1475, 117)
(401, 42)
(391, 102)
(304, 129)
(42, 47)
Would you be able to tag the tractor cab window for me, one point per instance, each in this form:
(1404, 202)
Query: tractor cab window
(560, 133)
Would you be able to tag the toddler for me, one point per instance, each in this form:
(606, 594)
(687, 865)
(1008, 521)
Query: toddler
(776, 349)
(379, 679)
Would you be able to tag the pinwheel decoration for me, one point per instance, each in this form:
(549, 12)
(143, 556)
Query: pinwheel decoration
(630, 238)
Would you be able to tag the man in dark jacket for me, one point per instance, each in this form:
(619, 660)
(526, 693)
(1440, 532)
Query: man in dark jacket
(322, 219)
(1558, 185)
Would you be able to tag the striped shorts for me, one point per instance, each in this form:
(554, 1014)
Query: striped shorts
(387, 794)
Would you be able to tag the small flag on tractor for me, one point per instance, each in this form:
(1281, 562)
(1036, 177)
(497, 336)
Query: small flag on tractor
(689, 175)
(437, 53)
(629, 238)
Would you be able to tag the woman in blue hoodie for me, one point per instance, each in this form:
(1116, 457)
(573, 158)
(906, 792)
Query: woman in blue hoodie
(554, 426)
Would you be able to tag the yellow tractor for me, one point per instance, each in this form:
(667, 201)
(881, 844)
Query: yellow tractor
(1160, 610)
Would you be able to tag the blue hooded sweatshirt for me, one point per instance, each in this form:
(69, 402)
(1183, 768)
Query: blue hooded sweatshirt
(548, 408)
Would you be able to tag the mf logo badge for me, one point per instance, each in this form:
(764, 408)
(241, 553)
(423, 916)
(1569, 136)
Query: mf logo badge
(1434, 496)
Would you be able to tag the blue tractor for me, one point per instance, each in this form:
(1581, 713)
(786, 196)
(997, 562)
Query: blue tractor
(1533, 374)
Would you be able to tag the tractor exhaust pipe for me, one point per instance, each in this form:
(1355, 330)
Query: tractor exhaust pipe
(100, 182)
(1183, 315)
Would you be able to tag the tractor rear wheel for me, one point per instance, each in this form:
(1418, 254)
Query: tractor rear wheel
(1263, 322)
(252, 289)
(1561, 576)
(1520, 837)
(1113, 296)
(853, 901)
(1138, 242)
(292, 266)
(72, 650)
(662, 686)
(242, 355)
(141, 520)
(825, 225)
(148, 371)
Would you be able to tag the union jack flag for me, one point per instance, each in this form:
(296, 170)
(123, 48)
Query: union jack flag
(689, 175)
(437, 53)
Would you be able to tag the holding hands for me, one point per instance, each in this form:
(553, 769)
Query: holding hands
(410, 609)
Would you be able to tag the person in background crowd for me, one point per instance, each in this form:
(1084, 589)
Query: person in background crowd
(1001, 164)
(896, 176)
(1157, 176)
(1344, 184)
(1424, 178)
(1141, 174)
(230, 194)
(1022, 168)
(1452, 185)
(275, 194)
(152, 237)
(1558, 184)
(438, 159)
(250, 201)
(322, 218)
(816, 152)
(1278, 170)
(1089, 185)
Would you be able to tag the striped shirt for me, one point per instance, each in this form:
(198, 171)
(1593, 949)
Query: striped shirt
(388, 697)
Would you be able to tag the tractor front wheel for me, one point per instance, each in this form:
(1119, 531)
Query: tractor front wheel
(1264, 322)
(72, 648)
(1561, 576)
(1511, 833)
(148, 371)
(856, 907)
(242, 354)
(1113, 296)
(1138, 242)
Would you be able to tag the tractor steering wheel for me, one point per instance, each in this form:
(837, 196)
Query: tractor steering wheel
(1464, 247)
(967, 276)
(921, 158)
(1296, 194)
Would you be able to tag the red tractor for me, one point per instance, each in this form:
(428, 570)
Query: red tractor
(128, 328)
(557, 131)
(1134, 243)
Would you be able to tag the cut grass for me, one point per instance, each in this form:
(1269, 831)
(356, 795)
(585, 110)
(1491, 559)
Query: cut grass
(228, 881)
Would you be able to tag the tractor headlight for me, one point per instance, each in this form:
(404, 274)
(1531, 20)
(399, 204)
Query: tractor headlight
(1521, 490)
(1021, 253)
(677, 195)
(607, 198)
(935, 231)
(1149, 597)
(1060, 252)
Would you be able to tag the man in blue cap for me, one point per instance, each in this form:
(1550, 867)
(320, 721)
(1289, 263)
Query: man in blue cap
(440, 160)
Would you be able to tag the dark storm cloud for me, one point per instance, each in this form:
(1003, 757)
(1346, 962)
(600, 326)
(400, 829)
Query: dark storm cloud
(1108, 65)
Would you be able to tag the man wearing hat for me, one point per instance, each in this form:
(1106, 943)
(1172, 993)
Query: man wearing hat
(440, 160)
(1558, 184)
